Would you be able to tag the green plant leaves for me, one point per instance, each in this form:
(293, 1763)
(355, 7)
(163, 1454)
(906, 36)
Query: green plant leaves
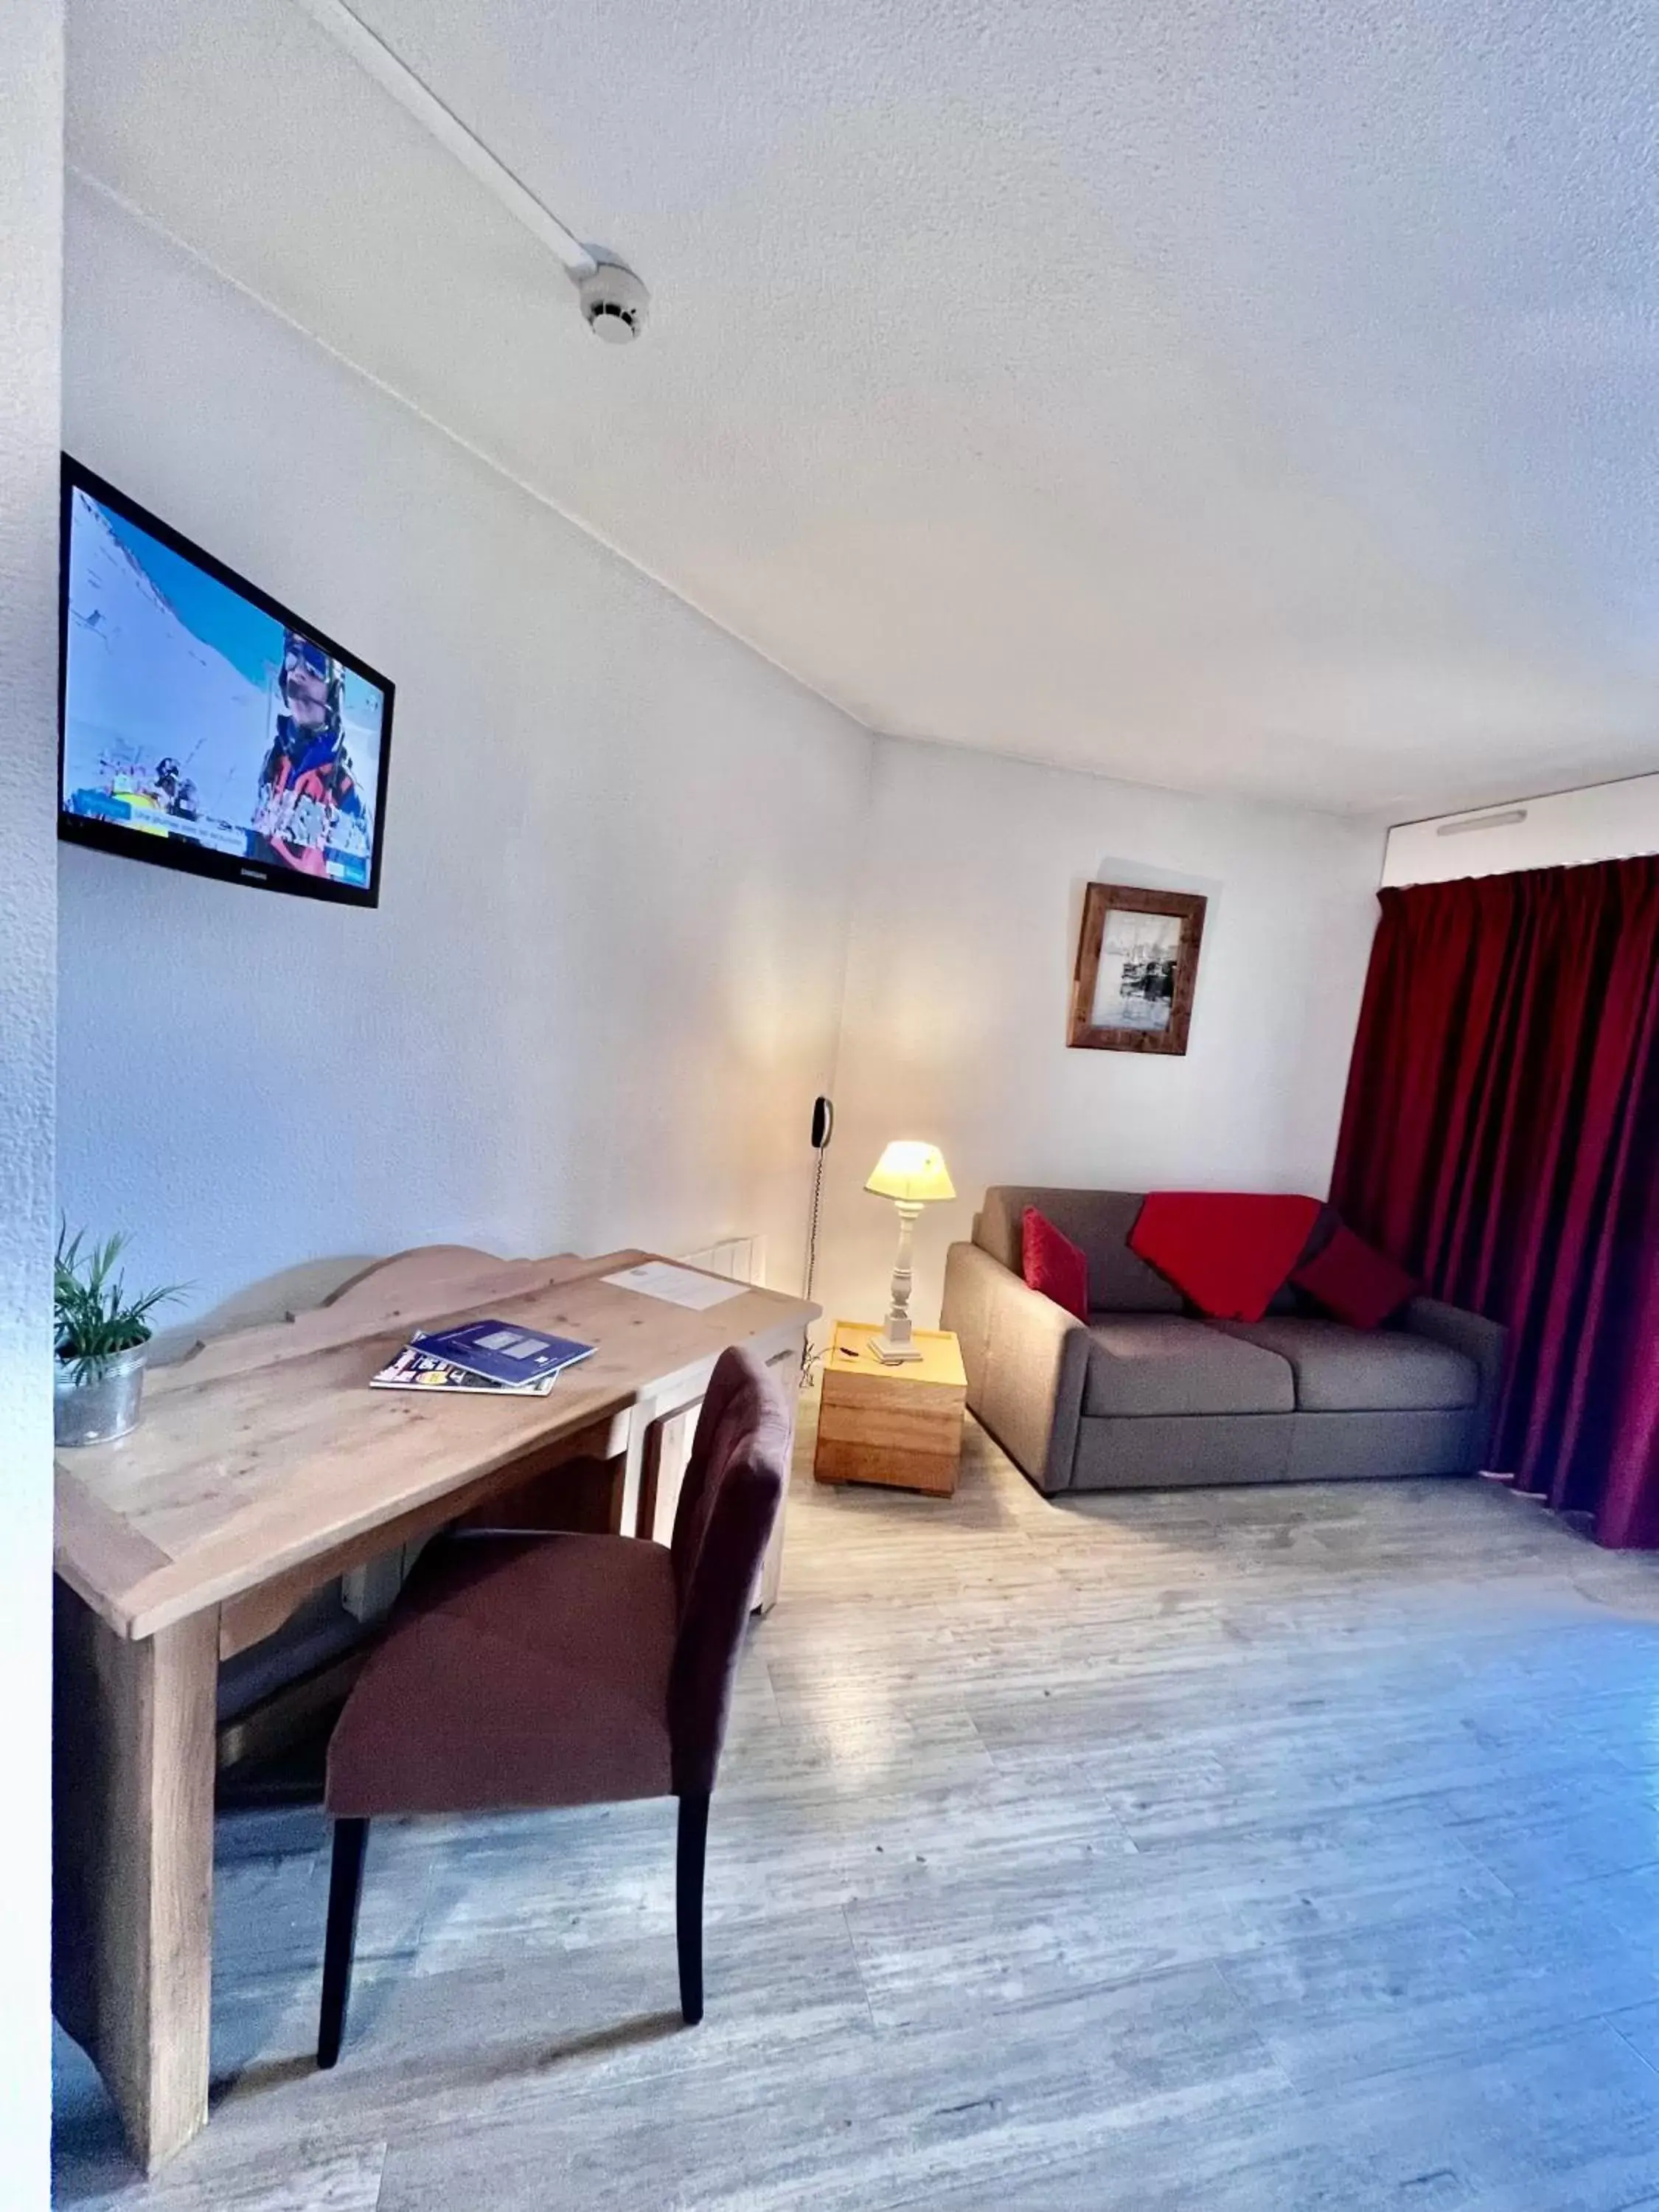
(94, 1317)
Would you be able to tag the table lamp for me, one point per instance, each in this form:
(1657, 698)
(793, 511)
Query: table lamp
(913, 1175)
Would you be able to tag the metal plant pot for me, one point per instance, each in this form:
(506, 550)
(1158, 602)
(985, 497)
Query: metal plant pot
(105, 1405)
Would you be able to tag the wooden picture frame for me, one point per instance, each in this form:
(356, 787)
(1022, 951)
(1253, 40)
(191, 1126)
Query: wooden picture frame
(1152, 963)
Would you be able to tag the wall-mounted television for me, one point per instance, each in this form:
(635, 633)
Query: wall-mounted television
(203, 725)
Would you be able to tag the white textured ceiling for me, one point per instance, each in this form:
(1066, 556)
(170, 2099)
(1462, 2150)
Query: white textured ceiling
(1240, 395)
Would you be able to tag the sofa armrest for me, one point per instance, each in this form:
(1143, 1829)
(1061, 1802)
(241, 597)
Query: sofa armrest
(970, 1285)
(1486, 1342)
(1026, 1360)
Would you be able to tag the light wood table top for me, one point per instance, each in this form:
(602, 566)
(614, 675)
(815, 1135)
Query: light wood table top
(265, 1448)
(940, 1361)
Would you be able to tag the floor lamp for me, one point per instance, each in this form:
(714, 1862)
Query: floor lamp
(913, 1175)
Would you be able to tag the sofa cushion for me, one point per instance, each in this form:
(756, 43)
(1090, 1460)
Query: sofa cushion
(1354, 1282)
(1287, 1299)
(1098, 1220)
(1339, 1370)
(1156, 1363)
(1182, 1451)
(1229, 1250)
(1051, 1263)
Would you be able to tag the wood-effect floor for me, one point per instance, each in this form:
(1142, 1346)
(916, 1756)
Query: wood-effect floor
(1257, 1850)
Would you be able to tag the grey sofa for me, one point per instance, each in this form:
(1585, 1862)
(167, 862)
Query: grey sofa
(1148, 1396)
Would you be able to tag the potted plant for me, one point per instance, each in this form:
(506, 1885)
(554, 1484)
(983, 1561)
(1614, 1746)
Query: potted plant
(100, 1334)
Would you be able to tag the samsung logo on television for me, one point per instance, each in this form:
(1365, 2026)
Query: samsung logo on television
(253, 875)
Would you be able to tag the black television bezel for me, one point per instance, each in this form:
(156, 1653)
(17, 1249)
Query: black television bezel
(180, 853)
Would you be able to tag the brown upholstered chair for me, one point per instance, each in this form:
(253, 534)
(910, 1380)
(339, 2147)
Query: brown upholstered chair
(566, 1670)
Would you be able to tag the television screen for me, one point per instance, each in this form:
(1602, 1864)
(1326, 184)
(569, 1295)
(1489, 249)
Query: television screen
(201, 724)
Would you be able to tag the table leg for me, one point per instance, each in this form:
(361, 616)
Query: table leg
(786, 1366)
(645, 1519)
(132, 1850)
(632, 1479)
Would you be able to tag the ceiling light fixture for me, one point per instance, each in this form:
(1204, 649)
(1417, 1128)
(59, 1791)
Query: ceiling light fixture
(613, 299)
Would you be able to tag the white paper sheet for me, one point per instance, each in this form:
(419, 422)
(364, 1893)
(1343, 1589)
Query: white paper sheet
(680, 1286)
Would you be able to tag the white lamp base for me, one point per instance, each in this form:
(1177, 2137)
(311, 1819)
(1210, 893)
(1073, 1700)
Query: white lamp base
(893, 1345)
(891, 1354)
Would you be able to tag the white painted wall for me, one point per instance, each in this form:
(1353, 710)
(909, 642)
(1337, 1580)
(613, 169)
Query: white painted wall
(602, 983)
(1605, 822)
(31, 237)
(958, 985)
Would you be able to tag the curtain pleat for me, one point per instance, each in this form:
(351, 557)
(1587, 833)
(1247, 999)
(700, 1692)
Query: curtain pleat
(1501, 1139)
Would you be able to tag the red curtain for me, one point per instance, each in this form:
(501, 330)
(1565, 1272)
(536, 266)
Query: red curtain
(1501, 1139)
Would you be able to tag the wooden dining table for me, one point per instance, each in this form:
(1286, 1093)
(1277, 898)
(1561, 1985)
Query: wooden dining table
(263, 1468)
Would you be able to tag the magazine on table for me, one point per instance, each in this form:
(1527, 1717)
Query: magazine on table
(503, 1352)
(415, 1370)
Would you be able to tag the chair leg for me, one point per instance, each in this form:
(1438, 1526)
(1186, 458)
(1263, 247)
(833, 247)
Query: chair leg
(345, 1888)
(688, 1903)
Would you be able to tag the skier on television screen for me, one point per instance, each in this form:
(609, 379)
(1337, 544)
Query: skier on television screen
(306, 786)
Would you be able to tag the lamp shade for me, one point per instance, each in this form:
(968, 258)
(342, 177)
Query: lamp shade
(912, 1172)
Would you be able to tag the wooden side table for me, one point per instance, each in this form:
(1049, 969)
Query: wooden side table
(901, 1426)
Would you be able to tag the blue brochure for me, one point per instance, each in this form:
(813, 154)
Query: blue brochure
(505, 1350)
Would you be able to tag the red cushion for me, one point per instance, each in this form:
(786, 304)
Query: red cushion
(1051, 1263)
(1227, 1250)
(1353, 1280)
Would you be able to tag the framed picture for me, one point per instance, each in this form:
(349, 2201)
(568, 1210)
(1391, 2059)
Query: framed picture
(1137, 965)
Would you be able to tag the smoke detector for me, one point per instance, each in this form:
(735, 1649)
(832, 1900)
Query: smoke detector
(613, 299)
(614, 302)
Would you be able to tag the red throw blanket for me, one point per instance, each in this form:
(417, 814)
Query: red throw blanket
(1228, 1250)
